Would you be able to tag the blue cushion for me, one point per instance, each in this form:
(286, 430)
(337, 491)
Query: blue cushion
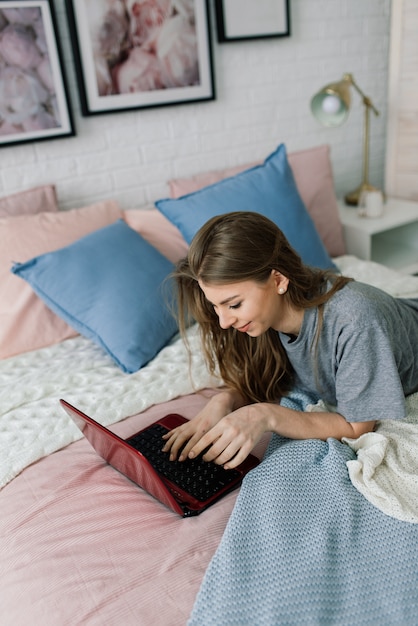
(269, 189)
(109, 286)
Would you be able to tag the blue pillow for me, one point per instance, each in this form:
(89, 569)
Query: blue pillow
(109, 286)
(269, 189)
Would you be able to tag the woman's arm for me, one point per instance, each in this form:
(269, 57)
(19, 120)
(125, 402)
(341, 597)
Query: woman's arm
(311, 425)
(242, 430)
(232, 428)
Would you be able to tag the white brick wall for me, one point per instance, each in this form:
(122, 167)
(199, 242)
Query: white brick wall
(263, 93)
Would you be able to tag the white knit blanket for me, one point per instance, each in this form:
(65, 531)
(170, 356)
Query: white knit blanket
(33, 425)
(386, 468)
(32, 422)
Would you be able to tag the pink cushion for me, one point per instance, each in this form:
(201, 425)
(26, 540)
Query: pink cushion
(158, 231)
(30, 201)
(25, 321)
(314, 179)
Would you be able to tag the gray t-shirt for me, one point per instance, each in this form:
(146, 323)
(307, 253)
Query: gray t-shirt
(366, 360)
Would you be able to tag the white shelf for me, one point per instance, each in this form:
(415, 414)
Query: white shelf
(391, 239)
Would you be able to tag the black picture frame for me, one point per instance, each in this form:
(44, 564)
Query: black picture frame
(243, 20)
(34, 99)
(139, 65)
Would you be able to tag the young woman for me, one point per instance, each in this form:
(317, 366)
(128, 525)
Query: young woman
(269, 323)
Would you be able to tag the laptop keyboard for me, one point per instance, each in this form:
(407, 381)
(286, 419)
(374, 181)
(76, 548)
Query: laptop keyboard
(199, 478)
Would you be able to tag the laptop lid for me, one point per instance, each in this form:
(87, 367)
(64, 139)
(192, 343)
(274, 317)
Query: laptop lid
(133, 464)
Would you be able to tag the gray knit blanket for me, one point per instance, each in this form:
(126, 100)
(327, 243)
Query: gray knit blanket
(304, 547)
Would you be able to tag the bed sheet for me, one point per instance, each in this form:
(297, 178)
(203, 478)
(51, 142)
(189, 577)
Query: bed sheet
(81, 544)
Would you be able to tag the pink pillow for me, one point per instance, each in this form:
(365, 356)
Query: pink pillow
(30, 201)
(314, 179)
(158, 231)
(25, 321)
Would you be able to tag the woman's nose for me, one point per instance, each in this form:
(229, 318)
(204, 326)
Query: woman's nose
(226, 319)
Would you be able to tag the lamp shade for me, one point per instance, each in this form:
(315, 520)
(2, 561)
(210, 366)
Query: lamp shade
(331, 104)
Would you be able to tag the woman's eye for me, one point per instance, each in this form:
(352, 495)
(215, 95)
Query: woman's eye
(235, 306)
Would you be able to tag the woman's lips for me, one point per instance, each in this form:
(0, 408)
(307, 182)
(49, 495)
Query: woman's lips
(244, 329)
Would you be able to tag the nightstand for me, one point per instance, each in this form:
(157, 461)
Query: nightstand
(391, 239)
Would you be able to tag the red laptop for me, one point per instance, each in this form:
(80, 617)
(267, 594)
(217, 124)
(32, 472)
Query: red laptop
(187, 488)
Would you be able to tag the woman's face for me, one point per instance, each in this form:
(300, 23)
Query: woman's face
(252, 307)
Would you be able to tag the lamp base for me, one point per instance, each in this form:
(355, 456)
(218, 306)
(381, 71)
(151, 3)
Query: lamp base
(353, 198)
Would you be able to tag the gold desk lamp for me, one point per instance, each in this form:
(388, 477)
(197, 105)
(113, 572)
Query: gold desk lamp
(331, 106)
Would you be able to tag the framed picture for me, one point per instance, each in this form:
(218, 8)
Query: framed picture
(238, 20)
(34, 102)
(133, 55)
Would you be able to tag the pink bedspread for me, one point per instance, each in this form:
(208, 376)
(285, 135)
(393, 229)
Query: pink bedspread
(81, 544)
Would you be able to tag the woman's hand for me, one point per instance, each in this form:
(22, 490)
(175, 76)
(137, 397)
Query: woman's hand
(229, 436)
(233, 437)
(181, 440)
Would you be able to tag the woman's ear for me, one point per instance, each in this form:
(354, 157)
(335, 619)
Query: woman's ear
(281, 282)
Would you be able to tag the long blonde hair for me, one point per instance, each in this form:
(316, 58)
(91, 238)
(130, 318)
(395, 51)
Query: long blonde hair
(236, 247)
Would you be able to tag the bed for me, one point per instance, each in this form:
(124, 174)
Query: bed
(79, 543)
